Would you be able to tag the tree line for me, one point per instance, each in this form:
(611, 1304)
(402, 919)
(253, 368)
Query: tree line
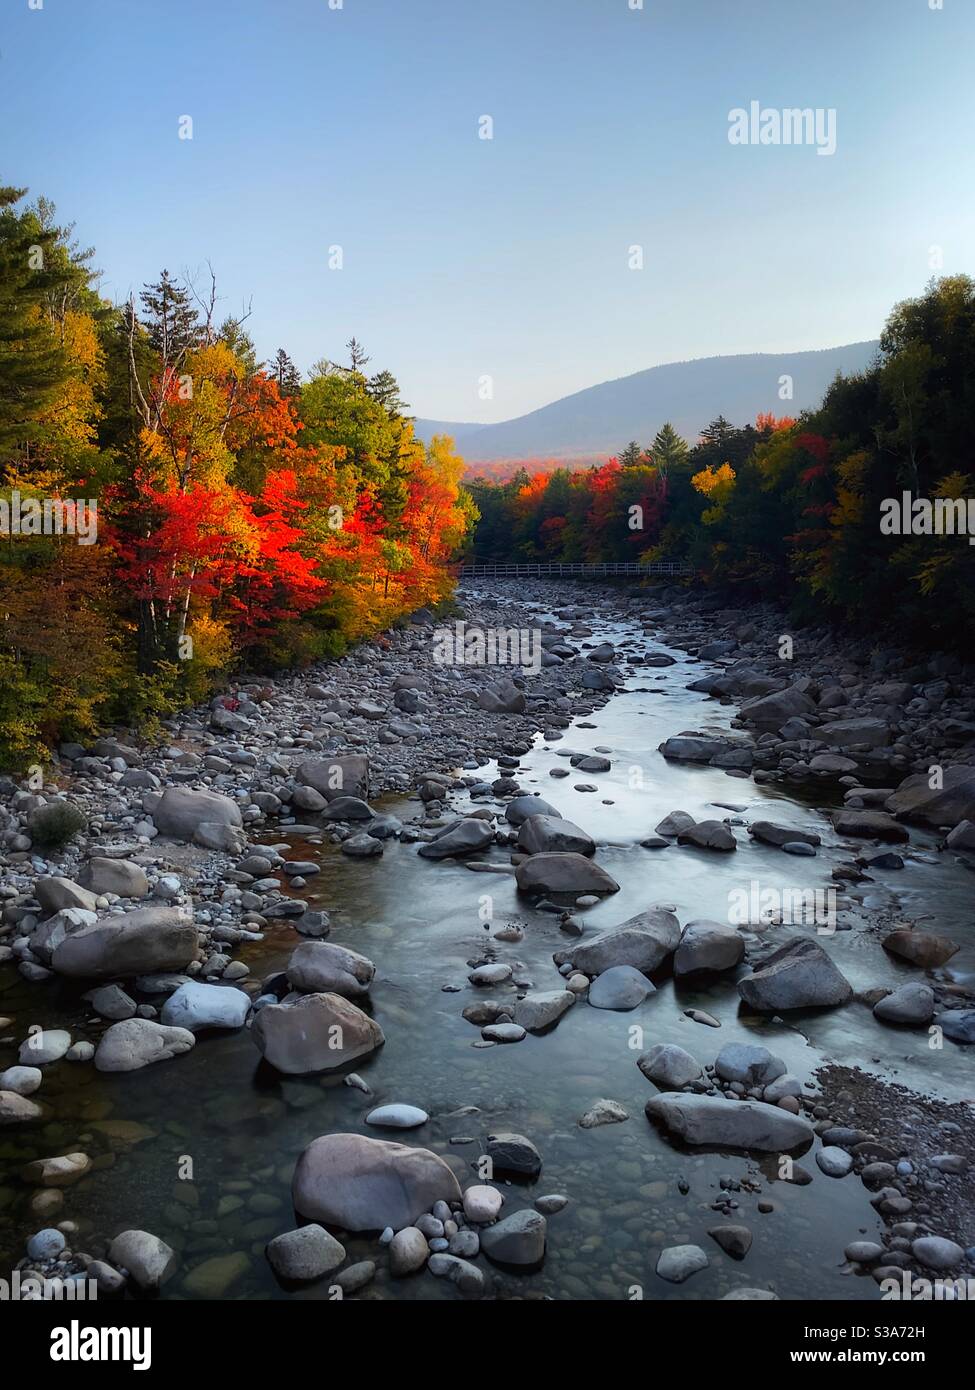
(793, 509)
(247, 518)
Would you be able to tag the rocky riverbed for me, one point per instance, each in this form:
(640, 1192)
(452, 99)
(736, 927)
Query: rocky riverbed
(402, 979)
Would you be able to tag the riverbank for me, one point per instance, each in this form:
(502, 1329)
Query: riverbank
(302, 857)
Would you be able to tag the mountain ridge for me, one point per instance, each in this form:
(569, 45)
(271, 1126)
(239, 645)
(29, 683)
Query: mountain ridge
(599, 420)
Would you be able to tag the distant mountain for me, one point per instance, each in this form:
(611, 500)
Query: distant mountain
(602, 419)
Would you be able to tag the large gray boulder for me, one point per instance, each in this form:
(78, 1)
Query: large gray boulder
(869, 825)
(138, 1042)
(771, 834)
(142, 942)
(466, 836)
(149, 1260)
(748, 1064)
(517, 1240)
(915, 800)
(912, 1003)
(644, 941)
(519, 808)
(621, 987)
(320, 967)
(709, 834)
(180, 812)
(362, 1184)
(314, 1032)
(197, 1006)
(769, 712)
(720, 1123)
(799, 975)
(668, 1066)
(563, 873)
(502, 698)
(848, 733)
(540, 1009)
(693, 748)
(544, 834)
(56, 894)
(334, 777)
(709, 946)
(119, 876)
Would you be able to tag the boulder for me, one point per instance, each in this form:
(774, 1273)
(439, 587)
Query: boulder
(198, 1006)
(42, 1046)
(708, 946)
(669, 1066)
(912, 1003)
(55, 894)
(363, 1184)
(748, 1064)
(871, 825)
(674, 823)
(848, 733)
(621, 987)
(333, 777)
(539, 1010)
(150, 1262)
(346, 808)
(321, 967)
(719, 1123)
(181, 811)
(514, 1154)
(520, 808)
(517, 1240)
(543, 834)
(141, 942)
(963, 836)
(466, 836)
(679, 1262)
(306, 1254)
(117, 876)
(916, 801)
(771, 834)
(16, 1109)
(309, 1033)
(502, 698)
(138, 1042)
(563, 873)
(708, 834)
(769, 712)
(693, 748)
(408, 1252)
(958, 1025)
(799, 975)
(922, 948)
(643, 942)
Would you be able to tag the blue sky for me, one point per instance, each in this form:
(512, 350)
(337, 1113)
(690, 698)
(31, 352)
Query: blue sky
(466, 258)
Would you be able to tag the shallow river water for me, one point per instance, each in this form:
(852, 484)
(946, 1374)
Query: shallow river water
(243, 1126)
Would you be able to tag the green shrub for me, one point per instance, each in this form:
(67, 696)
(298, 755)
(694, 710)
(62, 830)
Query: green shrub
(53, 825)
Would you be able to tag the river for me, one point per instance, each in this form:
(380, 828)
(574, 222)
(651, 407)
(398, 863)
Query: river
(242, 1125)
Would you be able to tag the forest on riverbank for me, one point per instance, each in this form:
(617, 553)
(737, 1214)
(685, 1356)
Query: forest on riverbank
(789, 508)
(174, 509)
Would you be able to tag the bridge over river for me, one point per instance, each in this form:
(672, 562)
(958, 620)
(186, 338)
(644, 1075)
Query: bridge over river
(498, 569)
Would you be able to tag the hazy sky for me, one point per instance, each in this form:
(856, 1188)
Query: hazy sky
(463, 257)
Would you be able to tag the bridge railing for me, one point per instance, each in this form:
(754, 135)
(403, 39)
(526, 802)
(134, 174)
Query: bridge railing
(487, 569)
